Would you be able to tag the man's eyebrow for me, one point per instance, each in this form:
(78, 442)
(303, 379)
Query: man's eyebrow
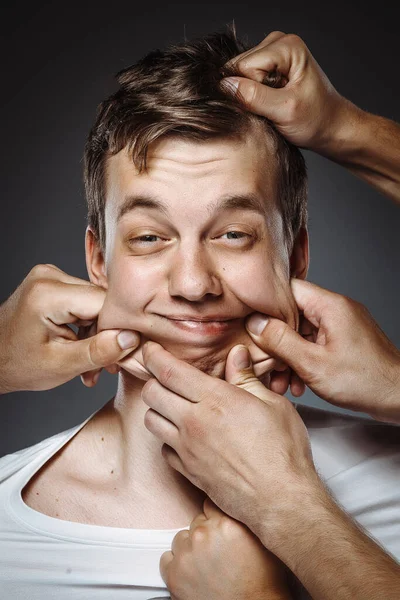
(142, 201)
(249, 201)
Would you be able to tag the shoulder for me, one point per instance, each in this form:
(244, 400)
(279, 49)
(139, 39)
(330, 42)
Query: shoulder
(11, 463)
(340, 441)
(359, 459)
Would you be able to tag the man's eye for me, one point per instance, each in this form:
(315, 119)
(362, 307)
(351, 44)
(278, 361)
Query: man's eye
(235, 235)
(144, 239)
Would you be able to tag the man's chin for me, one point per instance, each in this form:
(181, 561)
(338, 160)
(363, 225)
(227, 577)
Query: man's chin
(209, 359)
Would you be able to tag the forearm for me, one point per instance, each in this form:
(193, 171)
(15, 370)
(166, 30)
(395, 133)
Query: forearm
(331, 556)
(368, 145)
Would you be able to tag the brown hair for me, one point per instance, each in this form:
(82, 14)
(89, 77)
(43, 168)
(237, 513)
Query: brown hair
(177, 92)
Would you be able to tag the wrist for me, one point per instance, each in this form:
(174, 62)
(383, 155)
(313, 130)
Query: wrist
(281, 522)
(342, 137)
(388, 409)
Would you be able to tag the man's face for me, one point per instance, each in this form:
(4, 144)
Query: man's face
(193, 246)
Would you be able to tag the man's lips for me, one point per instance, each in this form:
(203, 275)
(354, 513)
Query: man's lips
(210, 325)
(197, 318)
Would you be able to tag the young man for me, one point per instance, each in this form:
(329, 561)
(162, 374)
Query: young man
(210, 232)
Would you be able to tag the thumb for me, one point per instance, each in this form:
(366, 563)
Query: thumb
(258, 98)
(103, 349)
(239, 371)
(281, 341)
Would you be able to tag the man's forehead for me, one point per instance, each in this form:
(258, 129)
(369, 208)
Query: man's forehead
(222, 166)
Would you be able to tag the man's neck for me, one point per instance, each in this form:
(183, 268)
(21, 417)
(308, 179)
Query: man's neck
(127, 458)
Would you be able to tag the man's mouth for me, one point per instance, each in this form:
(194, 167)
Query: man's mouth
(204, 325)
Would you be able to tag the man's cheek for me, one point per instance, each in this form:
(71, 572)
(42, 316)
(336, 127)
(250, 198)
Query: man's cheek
(266, 289)
(121, 309)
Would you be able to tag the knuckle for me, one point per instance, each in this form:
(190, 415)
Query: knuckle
(276, 32)
(253, 93)
(293, 39)
(166, 374)
(38, 290)
(148, 388)
(199, 535)
(41, 270)
(280, 336)
(95, 352)
(172, 581)
(344, 303)
(232, 529)
(149, 418)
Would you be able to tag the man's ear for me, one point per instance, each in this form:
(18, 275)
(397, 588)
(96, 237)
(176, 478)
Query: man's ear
(95, 262)
(299, 259)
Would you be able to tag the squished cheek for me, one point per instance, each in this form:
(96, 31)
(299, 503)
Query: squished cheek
(127, 298)
(267, 290)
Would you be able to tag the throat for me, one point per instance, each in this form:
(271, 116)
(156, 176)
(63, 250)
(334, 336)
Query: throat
(125, 470)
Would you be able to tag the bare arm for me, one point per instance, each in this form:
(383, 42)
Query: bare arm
(248, 449)
(369, 146)
(328, 552)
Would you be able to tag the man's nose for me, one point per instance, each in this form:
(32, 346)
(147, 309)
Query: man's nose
(193, 275)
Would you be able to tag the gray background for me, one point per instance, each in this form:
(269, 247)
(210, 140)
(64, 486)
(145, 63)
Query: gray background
(59, 61)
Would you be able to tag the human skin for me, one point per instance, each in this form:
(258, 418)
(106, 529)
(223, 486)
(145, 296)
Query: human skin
(194, 267)
(344, 357)
(40, 351)
(311, 113)
(266, 479)
(218, 558)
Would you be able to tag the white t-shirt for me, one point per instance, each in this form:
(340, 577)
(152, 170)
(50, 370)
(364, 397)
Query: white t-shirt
(43, 557)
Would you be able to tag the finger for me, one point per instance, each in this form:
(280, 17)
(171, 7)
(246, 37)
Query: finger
(297, 385)
(180, 543)
(163, 401)
(54, 273)
(90, 378)
(279, 382)
(161, 428)
(73, 303)
(266, 56)
(307, 329)
(212, 510)
(176, 375)
(197, 521)
(269, 39)
(313, 300)
(239, 371)
(280, 340)
(264, 367)
(166, 561)
(172, 457)
(113, 369)
(257, 97)
(98, 351)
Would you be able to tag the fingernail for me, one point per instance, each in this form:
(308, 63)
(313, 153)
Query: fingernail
(127, 339)
(256, 324)
(96, 378)
(231, 83)
(241, 359)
